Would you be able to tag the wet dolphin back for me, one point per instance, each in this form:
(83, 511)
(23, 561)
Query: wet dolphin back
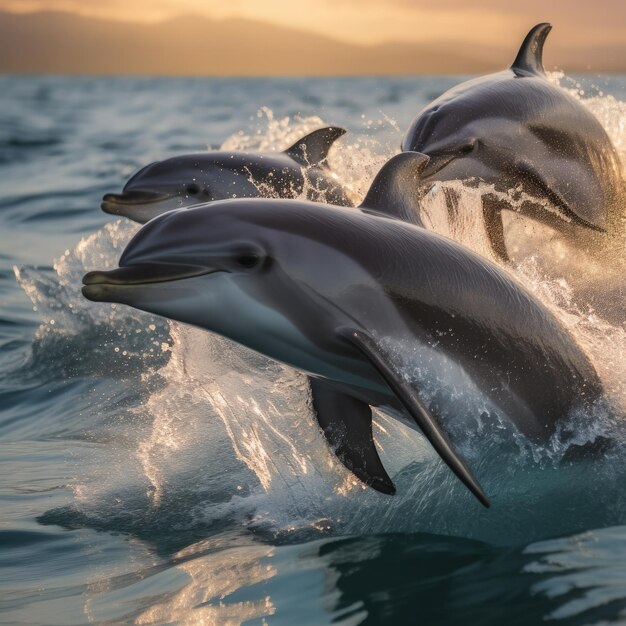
(463, 305)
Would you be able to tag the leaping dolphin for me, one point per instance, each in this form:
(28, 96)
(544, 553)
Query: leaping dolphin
(351, 297)
(518, 131)
(190, 179)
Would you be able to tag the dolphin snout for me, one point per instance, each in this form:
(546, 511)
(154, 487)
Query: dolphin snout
(437, 163)
(134, 197)
(135, 274)
(112, 203)
(139, 206)
(106, 286)
(144, 273)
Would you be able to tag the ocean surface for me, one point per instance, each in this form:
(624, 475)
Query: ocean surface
(151, 473)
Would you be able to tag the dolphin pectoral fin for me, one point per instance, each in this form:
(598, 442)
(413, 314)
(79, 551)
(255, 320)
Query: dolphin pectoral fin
(529, 59)
(395, 191)
(415, 407)
(312, 150)
(347, 425)
(492, 216)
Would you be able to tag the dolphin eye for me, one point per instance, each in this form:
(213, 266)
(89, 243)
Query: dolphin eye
(193, 189)
(248, 259)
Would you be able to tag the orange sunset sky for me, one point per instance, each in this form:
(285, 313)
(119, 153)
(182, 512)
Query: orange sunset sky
(579, 24)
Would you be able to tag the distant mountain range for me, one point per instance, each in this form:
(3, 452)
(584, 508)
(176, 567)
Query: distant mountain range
(63, 43)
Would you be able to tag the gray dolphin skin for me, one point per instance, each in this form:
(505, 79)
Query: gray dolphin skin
(190, 179)
(516, 130)
(351, 297)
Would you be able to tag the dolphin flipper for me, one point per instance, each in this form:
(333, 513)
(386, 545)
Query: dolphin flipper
(396, 189)
(347, 426)
(415, 407)
(312, 149)
(529, 59)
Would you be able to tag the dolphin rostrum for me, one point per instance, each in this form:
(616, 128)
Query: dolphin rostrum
(353, 298)
(190, 179)
(520, 132)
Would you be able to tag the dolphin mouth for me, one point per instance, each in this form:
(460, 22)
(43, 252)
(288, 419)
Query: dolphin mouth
(114, 202)
(437, 163)
(97, 285)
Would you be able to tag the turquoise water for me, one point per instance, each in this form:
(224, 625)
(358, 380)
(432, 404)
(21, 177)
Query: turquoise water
(151, 473)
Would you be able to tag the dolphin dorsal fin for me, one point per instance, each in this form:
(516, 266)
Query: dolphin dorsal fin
(313, 148)
(395, 191)
(529, 59)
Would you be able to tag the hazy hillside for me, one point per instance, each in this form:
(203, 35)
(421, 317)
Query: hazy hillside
(191, 45)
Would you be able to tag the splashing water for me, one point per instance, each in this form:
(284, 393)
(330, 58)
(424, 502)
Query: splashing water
(223, 433)
(358, 161)
(610, 111)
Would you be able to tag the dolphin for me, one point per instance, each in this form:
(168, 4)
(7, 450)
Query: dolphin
(517, 131)
(190, 179)
(350, 297)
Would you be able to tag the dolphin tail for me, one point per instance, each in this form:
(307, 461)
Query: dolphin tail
(395, 191)
(529, 59)
(416, 408)
(312, 149)
(347, 425)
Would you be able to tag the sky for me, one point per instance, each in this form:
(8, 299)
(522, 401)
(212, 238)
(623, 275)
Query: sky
(578, 23)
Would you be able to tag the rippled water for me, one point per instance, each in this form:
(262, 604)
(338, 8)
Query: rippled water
(151, 473)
